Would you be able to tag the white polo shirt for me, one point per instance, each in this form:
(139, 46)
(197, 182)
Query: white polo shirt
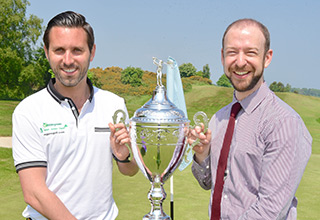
(49, 132)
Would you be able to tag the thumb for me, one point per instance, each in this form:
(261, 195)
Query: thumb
(208, 134)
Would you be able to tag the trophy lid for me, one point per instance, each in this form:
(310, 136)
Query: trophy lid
(159, 109)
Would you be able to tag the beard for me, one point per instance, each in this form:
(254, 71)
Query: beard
(243, 87)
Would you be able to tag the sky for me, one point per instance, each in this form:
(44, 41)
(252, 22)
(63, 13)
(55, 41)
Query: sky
(131, 32)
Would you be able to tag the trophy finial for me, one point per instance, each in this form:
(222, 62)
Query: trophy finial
(159, 70)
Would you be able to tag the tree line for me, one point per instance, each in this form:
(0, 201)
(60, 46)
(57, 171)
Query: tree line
(279, 87)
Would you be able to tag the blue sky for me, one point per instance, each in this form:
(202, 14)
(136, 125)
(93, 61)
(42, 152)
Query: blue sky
(131, 32)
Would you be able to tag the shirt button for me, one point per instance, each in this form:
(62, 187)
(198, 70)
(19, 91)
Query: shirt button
(225, 196)
(207, 167)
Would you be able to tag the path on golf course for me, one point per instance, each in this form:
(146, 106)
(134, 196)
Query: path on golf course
(6, 142)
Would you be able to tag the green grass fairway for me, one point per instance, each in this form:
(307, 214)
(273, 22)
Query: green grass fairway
(130, 193)
(11, 199)
(6, 110)
(308, 193)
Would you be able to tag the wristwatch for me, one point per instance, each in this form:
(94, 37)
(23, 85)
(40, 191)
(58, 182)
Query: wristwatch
(121, 161)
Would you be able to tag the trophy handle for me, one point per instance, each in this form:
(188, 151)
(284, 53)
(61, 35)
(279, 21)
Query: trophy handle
(197, 118)
(197, 122)
(122, 119)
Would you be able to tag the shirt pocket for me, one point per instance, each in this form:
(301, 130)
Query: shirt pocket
(101, 129)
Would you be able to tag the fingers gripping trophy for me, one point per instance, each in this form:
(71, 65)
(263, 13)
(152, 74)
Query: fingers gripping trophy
(158, 138)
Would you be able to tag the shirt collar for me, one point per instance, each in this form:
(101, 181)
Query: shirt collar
(58, 97)
(251, 102)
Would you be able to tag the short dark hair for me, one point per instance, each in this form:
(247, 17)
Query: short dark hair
(250, 21)
(69, 19)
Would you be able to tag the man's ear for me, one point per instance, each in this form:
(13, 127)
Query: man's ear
(46, 51)
(93, 52)
(222, 58)
(268, 58)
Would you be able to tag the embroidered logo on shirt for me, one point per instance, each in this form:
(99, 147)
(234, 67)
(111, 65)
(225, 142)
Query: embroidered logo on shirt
(53, 128)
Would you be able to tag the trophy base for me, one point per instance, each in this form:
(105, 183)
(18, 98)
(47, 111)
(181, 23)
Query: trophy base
(156, 215)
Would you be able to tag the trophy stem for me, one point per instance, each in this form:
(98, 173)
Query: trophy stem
(156, 196)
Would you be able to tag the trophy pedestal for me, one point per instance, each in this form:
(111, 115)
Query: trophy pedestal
(156, 196)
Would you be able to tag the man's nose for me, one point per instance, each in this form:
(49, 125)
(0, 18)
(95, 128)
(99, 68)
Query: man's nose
(241, 60)
(68, 58)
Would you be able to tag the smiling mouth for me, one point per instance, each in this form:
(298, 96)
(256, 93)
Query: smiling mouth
(69, 70)
(241, 73)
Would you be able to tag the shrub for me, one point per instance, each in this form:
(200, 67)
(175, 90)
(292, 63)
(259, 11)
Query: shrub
(132, 76)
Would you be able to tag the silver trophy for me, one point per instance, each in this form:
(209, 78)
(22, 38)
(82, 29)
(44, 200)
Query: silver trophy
(158, 140)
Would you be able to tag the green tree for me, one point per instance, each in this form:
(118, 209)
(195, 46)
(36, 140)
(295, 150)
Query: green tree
(224, 81)
(36, 74)
(273, 86)
(206, 71)
(20, 74)
(132, 76)
(16, 30)
(288, 88)
(187, 70)
(279, 87)
(199, 73)
(10, 65)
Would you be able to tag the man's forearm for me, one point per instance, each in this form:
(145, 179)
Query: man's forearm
(50, 206)
(128, 169)
(39, 197)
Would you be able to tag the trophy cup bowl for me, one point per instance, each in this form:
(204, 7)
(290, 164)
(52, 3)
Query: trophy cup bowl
(158, 140)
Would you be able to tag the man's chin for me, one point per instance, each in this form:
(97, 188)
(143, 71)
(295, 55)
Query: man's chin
(68, 82)
(245, 86)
